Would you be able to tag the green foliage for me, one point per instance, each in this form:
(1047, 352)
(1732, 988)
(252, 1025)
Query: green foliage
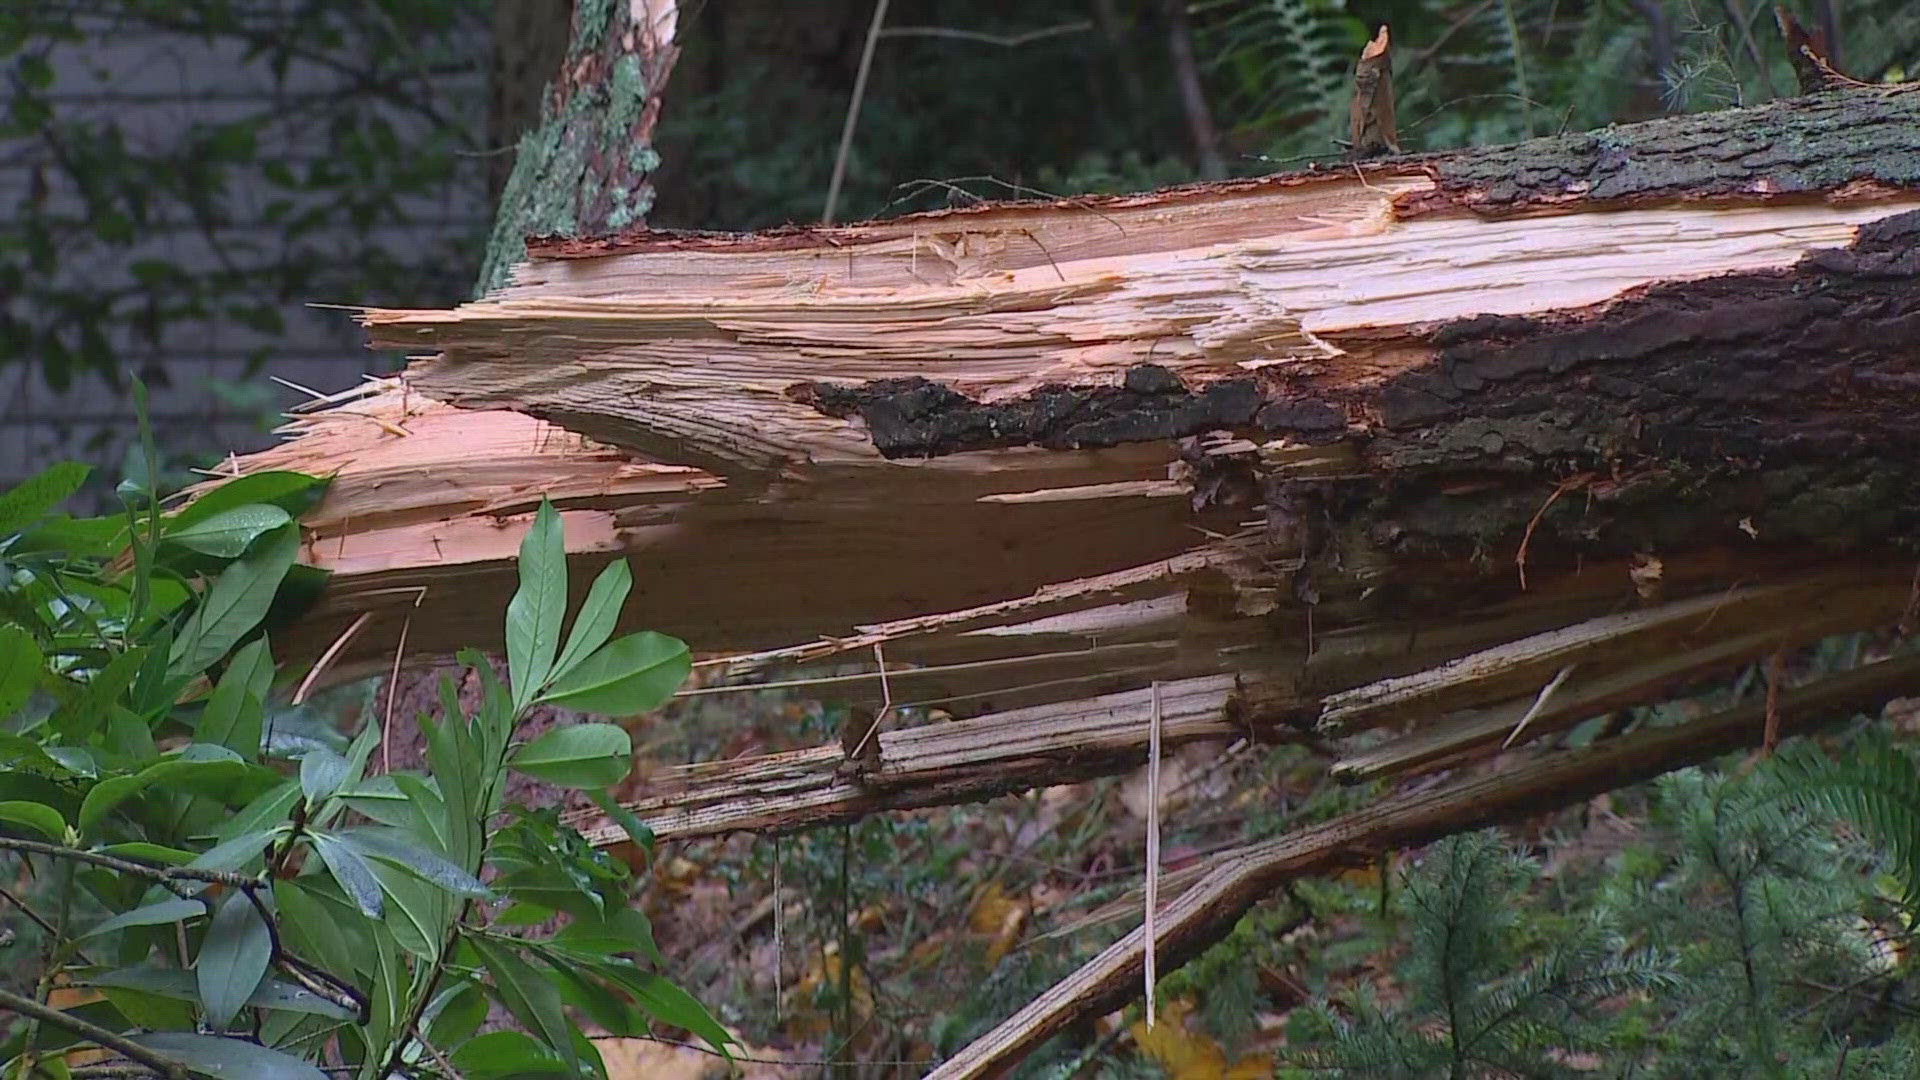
(1475, 1004)
(253, 906)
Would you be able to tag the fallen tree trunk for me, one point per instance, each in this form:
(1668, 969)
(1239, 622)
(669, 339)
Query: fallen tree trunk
(1687, 339)
(1471, 445)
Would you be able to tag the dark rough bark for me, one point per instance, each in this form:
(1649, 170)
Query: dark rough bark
(1801, 146)
(1778, 405)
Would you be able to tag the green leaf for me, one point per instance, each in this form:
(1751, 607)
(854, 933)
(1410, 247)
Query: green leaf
(198, 762)
(235, 853)
(321, 773)
(623, 930)
(500, 1055)
(352, 872)
(27, 501)
(290, 491)
(381, 798)
(534, 613)
(228, 534)
(39, 817)
(173, 909)
(233, 959)
(228, 1059)
(21, 665)
(80, 717)
(152, 854)
(182, 986)
(462, 1009)
(235, 711)
(630, 675)
(270, 810)
(629, 822)
(669, 1004)
(528, 996)
(393, 846)
(418, 914)
(594, 625)
(235, 603)
(579, 756)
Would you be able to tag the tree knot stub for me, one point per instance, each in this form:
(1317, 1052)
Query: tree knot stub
(917, 417)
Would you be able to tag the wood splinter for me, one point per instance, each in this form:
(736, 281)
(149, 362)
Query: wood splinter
(1371, 119)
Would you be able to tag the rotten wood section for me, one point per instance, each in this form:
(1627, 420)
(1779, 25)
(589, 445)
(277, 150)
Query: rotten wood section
(1218, 891)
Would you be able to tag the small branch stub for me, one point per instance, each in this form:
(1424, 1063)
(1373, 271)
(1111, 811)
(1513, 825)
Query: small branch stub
(1371, 120)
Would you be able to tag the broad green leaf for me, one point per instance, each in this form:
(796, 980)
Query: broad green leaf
(321, 773)
(629, 822)
(623, 930)
(80, 717)
(527, 995)
(534, 613)
(182, 986)
(381, 798)
(235, 711)
(228, 1059)
(594, 625)
(151, 854)
(458, 774)
(360, 749)
(629, 675)
(233, 959)
(669, 1004)
(418, 915)
(268, 811)
(499, 1055)
(578, 756)
(107, 794)
(30, 499)
(21, 665)
(234, 604)
(429, 809)
(39, 817)
(19, 752)
(290, 491)
(198, 762)
(173, 909)
(228, 534)
(352, 872)
(393, 846)
(462, 1008)
(316, 925)
(240, 851)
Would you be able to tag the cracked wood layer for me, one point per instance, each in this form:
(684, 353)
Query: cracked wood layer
(934, 764)
(1219, 890)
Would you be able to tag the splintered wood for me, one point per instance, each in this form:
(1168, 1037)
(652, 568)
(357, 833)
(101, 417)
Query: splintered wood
(1422, 461)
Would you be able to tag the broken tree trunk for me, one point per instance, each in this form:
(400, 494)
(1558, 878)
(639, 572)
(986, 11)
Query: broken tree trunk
(1468, 447)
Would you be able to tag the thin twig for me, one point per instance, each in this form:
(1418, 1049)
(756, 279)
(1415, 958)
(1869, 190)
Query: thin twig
(1775, 665)
(169, 876)
(853, 111)
(1539, 703)
(1005, 41)
(326, 658)
(1153, 843)
(159, 1063)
